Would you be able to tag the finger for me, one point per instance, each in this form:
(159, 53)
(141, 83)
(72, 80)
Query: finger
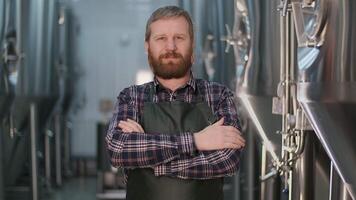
(126, 128)
(234, 129)
(241, 138)
(234, 133)
(235, 144)
(219, 123)
(235, 141)
(230, 145)
(133, 124)
(136, 124)
(129, 124)
(240, 141)
(239, 132)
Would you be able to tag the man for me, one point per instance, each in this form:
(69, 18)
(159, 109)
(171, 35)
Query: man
(176, 137)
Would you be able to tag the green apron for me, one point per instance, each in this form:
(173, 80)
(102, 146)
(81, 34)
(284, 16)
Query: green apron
(173, 118)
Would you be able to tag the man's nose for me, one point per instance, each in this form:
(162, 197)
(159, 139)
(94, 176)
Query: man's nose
(171, 44)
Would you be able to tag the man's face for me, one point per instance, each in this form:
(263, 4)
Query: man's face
(169, 48)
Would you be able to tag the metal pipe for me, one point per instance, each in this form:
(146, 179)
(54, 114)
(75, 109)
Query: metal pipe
(19, 30)
(66, 146)
(57, 126)
(33, 142)
(286, 100)
(237, 190)
(2, 195)
(251, 157)
(47, 157)
(303, 176)
(263, 171)
(334, 181)
(19, 40)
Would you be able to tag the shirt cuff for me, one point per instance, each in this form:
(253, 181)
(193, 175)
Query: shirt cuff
(186, 144)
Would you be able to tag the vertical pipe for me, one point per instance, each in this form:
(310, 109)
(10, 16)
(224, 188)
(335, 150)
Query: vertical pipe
(282, 47)
(19, 42)
(270, 188)
(66, 147)
(19, 31)
(250, 154)
(334, 181)
(284, 23)
(303, 176)
(47, 157)
(2, 195)
(263, 171)
(33, 145)
(237, 183)
(288, 99)
(58, 134)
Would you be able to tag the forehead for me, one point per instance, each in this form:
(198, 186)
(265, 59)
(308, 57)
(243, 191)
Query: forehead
(172, 25)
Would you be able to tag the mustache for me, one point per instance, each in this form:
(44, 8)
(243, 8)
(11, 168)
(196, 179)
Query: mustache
(172, 54)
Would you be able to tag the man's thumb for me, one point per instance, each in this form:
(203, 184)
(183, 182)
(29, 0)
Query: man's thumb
(220, 122)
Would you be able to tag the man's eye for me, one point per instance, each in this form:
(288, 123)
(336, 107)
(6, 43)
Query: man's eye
(180, 38)
(160, 38)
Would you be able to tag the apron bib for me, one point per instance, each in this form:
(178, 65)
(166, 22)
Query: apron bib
(173, 118)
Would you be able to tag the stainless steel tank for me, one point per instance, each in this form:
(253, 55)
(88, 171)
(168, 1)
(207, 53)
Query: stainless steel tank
(210, 17)
(212, 62)
(257, 54)
(327, 88)
(5, 90)
(256, 42)
(264, 43)
(34, 79)
(257, 47)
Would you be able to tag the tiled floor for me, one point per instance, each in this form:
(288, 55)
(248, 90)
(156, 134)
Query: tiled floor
(79, 188)
(75, 189)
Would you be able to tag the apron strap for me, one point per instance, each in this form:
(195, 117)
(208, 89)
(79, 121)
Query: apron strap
(152, 96)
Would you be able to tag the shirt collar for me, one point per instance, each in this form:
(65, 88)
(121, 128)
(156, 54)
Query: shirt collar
(191, 82)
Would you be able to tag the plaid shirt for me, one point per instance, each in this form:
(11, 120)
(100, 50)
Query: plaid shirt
(171, 155)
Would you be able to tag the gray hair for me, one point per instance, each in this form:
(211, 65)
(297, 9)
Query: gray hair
(169, 12)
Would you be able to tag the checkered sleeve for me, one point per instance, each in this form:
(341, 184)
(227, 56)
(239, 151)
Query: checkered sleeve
(140, 150)
(208, 164)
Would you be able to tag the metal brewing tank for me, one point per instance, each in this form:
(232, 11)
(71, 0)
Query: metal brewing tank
(257, 53)
(327, 87)
(264, 50)
(4, 91)
(212, 62)
(33, 79)
(256, 42)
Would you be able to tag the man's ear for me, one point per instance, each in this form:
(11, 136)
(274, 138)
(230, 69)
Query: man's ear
(146, 47)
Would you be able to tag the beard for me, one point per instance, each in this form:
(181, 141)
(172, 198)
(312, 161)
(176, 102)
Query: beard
(170, 69)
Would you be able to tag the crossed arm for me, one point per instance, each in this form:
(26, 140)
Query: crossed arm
(212, 152)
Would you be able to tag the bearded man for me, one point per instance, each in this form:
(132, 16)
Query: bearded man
(176, 137)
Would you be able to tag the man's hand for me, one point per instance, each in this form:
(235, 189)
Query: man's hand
(130, 126)
(218, 136)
